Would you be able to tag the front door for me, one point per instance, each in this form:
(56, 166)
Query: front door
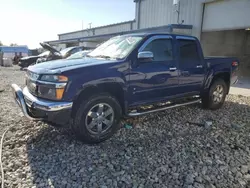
(192, 69)
(154, 79)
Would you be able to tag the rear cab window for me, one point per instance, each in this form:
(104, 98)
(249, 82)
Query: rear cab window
(188, 51)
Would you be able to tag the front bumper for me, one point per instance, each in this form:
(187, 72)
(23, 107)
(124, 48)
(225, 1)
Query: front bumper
(35, 108)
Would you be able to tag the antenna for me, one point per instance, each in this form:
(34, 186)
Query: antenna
(177, 6)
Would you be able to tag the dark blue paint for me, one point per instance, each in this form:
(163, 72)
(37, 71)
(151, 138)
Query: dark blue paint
(190, 77)
(141, 82)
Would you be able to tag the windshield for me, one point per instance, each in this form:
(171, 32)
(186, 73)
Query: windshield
(64, 51)
(78, 55)
(117, 47)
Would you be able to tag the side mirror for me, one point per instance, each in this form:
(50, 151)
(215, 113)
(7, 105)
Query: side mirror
(145, 55)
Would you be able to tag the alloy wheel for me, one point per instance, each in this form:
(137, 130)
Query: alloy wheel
(218, 94)
(99, 118)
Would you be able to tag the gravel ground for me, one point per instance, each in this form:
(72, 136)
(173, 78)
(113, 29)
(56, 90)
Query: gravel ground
(167, 149)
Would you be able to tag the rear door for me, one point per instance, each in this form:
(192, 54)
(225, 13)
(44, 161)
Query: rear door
(155, 79)
(191, 65)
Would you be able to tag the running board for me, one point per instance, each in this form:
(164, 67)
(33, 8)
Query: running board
(133, 114)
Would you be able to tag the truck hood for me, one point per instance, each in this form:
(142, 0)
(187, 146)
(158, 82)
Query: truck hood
(59, 66)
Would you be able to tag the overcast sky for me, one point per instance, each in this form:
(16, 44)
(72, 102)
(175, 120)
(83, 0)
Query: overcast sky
(28, 22)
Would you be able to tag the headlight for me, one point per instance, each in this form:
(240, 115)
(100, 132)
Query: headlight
(50, 93)
(54, 78)
(52, 86)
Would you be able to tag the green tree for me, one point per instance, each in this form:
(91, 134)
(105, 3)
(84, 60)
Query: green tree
(1, 44)
(13, 44)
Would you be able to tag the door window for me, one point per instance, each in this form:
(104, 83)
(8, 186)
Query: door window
(188, 50)
(161, 48)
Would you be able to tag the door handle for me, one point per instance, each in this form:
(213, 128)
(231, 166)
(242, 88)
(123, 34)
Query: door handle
(172, 68)
(199, 66)
(162, 80)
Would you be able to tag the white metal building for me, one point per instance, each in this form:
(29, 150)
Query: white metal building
(223, 26)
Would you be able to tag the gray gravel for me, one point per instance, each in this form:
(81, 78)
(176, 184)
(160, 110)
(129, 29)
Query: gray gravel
(166, 149)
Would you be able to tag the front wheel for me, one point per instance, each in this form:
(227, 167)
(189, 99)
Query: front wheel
(97, 119)
(216, 95)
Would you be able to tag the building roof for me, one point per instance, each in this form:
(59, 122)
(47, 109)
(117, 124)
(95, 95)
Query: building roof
(110, 25)
(167, 28)
(13, 49)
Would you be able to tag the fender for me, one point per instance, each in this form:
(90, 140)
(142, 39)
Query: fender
(115, 86)
(211, 75)
(103, 83)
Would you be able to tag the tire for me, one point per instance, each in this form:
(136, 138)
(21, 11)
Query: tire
(87, 116)
(213, 99)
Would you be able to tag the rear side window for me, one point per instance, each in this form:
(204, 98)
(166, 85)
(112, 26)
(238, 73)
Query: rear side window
(188, 50)
(161, 48)
(75, 50)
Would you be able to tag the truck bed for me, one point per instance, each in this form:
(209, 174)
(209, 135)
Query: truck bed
(224, 63)
(220, 57)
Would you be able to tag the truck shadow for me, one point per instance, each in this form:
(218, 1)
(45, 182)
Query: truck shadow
(56, 159)
(243, 83)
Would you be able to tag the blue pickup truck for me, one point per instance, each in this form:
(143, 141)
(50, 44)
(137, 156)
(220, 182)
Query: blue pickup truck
(128, 75)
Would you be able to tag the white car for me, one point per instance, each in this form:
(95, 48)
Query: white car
(79, 55)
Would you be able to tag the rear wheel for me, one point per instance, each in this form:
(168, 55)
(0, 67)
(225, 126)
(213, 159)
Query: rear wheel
(97, 119)
(216, 95)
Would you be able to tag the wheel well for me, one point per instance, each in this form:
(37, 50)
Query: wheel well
(114, 90)
(225, 77)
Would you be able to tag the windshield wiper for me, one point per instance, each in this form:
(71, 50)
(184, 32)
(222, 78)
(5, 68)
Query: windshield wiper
(104, 56)
(88, 55)
(101, 56)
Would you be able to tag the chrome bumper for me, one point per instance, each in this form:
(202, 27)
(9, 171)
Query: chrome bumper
(25, 99)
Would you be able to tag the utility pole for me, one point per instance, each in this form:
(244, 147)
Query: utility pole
(89, 28)
(82, 28)
(90, 25)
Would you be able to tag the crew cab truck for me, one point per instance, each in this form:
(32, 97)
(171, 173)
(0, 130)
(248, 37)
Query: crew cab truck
(128, 75)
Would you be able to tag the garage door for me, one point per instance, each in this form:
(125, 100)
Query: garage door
(226, 15)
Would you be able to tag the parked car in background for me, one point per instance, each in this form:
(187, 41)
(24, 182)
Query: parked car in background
(63, 54)
(80, 54)
(29, 60)
(128, 75)
(50, 54)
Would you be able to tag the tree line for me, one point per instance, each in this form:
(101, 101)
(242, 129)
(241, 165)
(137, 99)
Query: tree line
(12, 44)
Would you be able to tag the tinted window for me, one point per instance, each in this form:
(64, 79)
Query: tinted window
(188, 50)
(75, 50)
(161, 48)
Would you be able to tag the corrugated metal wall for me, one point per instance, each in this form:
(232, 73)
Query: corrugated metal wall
(152, 13)
(155, 13)
(113, 29)
(76, 34)
(225, 15)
